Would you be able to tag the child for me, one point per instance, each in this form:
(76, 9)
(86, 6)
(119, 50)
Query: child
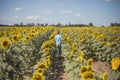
(58, 40)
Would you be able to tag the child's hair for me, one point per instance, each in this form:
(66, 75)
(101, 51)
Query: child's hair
(58, 32)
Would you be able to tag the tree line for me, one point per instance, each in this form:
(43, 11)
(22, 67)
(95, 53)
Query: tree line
(115, 24)
(46, 24)
(57, 25)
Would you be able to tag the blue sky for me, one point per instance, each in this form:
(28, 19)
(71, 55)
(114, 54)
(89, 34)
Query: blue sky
(99, 12)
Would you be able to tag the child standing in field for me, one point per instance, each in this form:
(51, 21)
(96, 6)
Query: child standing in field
(58, 40)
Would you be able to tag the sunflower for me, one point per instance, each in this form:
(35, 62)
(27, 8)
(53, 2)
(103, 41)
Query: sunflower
(109, 44)
(5, 43)
(115, 63)
(88, 75)
(83, 69)
(33, 31)
(83, 40)
(15, 38)
(80, 58)
(89, 61)
(31, 34)
(104, 75)
(89, 68)
(52, 42)
(48, 58)
(45, 44)
(103, 43)
(24, 31)
(40, 71)
(41, 66)
(24, 40)
(52, 36)
(27, 38)
(1, 39)
(75, 44)
(48, 63)
(82, 53)
(37, 76)
(75, 49)
(47, 50)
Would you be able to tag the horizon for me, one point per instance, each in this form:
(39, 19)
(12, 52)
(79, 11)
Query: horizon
(98, 12)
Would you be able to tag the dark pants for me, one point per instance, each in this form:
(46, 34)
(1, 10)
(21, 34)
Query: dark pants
(58, 51)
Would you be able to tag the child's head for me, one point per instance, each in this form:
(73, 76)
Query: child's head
(57, 32)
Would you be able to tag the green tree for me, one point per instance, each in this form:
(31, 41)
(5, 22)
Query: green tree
(91, 24)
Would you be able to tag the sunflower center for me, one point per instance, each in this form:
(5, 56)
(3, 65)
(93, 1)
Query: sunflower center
(15, 37)
(32, 35)
(90, 76)
(42, 66)
(40, 71)
(5, 43)
(27, 38)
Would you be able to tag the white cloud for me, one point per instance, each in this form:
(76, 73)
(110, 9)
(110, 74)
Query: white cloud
(27, 19)
(72, 13)
(32, 17)
(17, 9)
(77, 14)
(67, 11)
(46, 12)
(46, 19)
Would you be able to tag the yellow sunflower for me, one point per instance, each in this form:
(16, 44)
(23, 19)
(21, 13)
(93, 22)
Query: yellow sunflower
(89, 68)
(15, 38)
(81, 58)
(82, 53)
(48, 58)
(52, 42)
(5, 43)
(115, 63)
(52, 36)
(40, 71)
(27, 38)
(37, 76)
(88, 75)
(24, 40)
(42, 66)
(83, 40)
(46, 50)
(83, 69)
(48, 62)
(89, 61)
(104, 75)
(75, 49)
(31, 34)
(109, 44)
(45, 44)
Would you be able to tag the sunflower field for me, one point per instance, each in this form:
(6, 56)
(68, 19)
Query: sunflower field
(90, 53)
